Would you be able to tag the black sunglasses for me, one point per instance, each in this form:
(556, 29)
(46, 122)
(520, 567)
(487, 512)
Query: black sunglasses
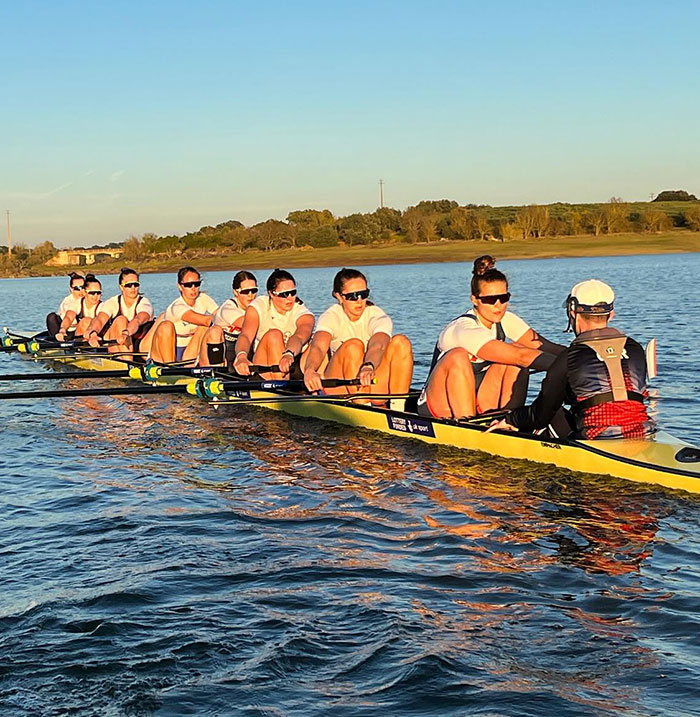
(93, 293)
(355, 295)
(254, 290)
(493, 298)
(78, 288)
(284, 294)
(132, 285)
(190, 284)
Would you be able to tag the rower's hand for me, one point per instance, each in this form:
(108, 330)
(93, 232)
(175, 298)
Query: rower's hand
(366, 374)
(94, 339)
(60, 336)
(312, 380)
(242, 365)
(123, 336)
(285, 362)
(501, 425)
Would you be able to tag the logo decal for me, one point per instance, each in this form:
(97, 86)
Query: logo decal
(415, 426)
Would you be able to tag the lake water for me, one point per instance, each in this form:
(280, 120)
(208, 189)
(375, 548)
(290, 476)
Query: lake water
(158, 557)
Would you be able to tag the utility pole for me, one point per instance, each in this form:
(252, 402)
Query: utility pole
(381, 193)
(9, 235)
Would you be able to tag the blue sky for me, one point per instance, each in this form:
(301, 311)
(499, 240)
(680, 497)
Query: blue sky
(123, 118)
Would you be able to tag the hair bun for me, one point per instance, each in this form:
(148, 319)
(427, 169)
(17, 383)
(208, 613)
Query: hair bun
(483, 264)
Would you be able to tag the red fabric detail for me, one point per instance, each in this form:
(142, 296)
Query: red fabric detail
(629, 416)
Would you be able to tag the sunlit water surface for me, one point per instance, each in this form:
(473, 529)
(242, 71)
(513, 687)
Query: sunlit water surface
(160, 558)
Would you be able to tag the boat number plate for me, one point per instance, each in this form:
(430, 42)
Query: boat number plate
(416, 426)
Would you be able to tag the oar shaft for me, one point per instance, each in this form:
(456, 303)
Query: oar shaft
(113, 391)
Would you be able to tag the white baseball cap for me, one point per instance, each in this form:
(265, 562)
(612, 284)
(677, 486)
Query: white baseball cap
(593, 294)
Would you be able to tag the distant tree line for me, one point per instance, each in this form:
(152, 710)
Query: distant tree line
(426, 222)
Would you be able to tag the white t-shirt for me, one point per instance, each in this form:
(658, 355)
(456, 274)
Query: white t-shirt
(88, 312)
(69, 303)
(183, 329)
(270, 318)
(337, 323)
(226, 316)
(112, 306)
(471, 334)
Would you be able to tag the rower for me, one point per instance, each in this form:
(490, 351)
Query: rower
(276, 329)
(72, 302)
(602, 375)
(124, 318)
(219, 344)
(83, 312)
(474, 369)
(359, 338)
(177, 333)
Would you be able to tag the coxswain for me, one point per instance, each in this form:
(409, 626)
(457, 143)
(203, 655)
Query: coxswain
(177, 333)
(82, 313)
(358, 336)
(72, 302)
(602, 375)
(276, 329)
(482, 358)
(124, 318)
(219, 344)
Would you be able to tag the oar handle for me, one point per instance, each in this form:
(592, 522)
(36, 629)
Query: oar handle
(255, 368)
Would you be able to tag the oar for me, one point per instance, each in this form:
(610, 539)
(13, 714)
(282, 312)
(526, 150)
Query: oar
(204, 388)
(134, 371)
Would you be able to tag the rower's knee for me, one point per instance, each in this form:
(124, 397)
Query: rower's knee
(215, 335)
(119, 324)
(274, 337)
(456, 358)
(401, 347)
(352, 350)
(165, 330)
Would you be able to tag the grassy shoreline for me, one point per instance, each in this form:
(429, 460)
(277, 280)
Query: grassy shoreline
(671, 242)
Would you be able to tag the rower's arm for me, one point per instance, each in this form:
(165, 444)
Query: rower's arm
(532, 340)
(297, 341)
(194, 317)
(251, 324)
(513, 355)
(550, 398)
(97, 323)
(139, 320)
(68, 319)
(376, 346)
(318, 350)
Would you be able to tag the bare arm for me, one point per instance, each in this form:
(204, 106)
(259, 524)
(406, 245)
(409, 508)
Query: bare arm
(194, 317)
(319, 348)
(65, 324)
(532, 340)
(295, 343)
(376, 346)
(249, 330)
(96, 325)
(510, 354)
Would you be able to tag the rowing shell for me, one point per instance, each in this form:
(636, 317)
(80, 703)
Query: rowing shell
(664, 460)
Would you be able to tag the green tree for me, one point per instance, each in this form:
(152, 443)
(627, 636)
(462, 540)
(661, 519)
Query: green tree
(675, 195)
(318, 237)
(271, 234)
(654, 220)
(359, 229)
(311, 218)
(42, 253)
(133, 249)
(691, 215)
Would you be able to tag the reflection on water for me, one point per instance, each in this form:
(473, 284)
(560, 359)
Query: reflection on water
(163, 557)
